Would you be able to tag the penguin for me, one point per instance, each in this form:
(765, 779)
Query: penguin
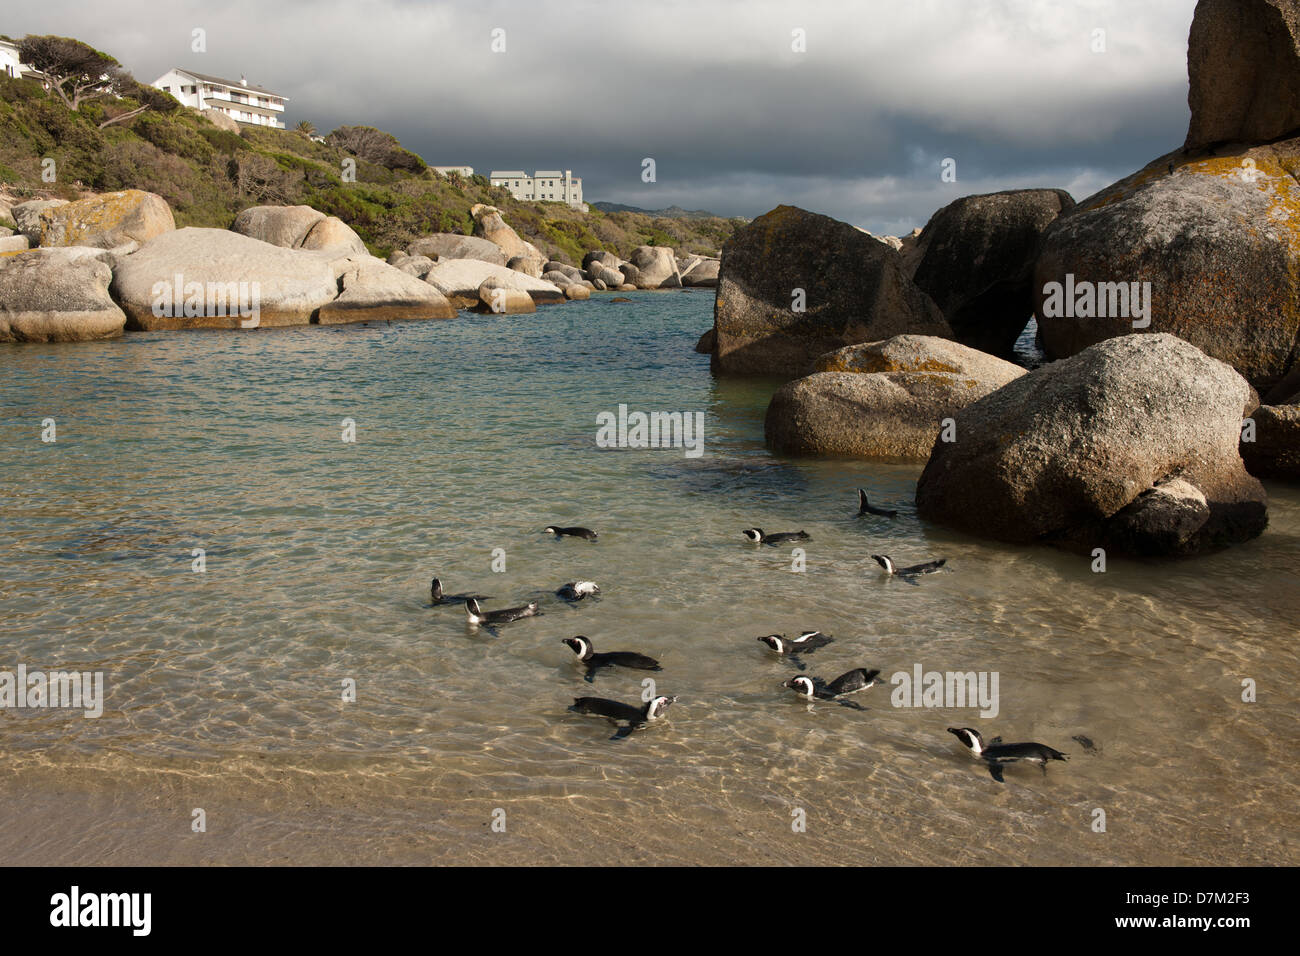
(437, 598)
(577, 590)
(867, 508)
(477, 615)
(850, 682)
(995, 753)
(587, 655)
(585, 533)
(616, 711)
(791, 647)
(757, 536)
(907, 574)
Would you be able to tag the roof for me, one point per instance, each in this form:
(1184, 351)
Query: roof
(549, 174)
(509, 174)
(233, 84)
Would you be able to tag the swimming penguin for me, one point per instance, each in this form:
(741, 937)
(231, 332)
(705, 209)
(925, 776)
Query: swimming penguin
(757, 536)
(585, 533)
(791, 647)
(616, 711)
(587, 655)
(850, 682)
(995, 753)
(478, 616)
(437, 597)
(867, 508)
(886, 562)
(577, 590)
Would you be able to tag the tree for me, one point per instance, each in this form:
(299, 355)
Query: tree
(376, 146)
(306, 127)
(148, 97)
(75, 71)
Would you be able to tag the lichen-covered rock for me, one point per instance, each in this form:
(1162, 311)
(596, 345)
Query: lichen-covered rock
(284, 226)
(656, 268)
(1218, 241)
(850, 288)
(1130, 446)
(332, 234)
(497, 296)
(27, 216)
(105, 221)
(885, 401)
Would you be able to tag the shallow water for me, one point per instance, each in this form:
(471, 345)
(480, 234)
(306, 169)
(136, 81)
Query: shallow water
(225, 687)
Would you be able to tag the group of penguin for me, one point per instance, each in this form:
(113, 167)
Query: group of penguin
(629, 717)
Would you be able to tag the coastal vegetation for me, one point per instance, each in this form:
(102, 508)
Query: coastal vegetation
(135, 137)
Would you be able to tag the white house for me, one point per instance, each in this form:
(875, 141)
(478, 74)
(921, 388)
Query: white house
(241, 101)
(547, 185)
(10, 65)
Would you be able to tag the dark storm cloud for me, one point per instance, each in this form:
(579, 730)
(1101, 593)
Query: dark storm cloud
(736, 121)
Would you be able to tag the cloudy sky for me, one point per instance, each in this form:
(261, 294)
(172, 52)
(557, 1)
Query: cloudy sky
(856, 126)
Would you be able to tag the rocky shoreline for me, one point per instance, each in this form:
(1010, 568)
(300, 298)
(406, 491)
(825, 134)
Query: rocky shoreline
(1168, 307)
(116, 262)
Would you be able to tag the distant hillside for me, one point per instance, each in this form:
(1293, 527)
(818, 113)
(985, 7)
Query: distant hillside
(672, 212)
(209, 174)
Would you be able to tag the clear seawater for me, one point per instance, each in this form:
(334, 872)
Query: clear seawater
(224, 689)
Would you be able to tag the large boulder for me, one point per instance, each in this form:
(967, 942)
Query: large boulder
(977, 259)
(882, 400)
(656, 268)
(574, 274)
(1218, 243)
(489, 225)
(1130, 446)
(853, 290)
(599, 272)
(702, 274)
(1243, 68)
(12, 245)
(602, 256)
(284, 226)
(417, 266)
(459, 280)
(375, 291)
(106, 221)
(1275, 450)
(332, 234)
(497, 296)
(215, 278)
(527, 265)
(27, 216)
(450, 245)
(51, 296)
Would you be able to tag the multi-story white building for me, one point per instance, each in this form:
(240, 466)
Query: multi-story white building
(10, 64)
(241, 101)
(547, 185)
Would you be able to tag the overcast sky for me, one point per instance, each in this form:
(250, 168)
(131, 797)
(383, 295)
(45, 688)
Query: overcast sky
(737, 122)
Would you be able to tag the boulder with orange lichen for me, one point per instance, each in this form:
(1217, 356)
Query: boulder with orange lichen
(1217, 236)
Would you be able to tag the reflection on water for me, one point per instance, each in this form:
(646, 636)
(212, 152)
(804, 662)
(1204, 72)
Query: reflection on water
(471, 437)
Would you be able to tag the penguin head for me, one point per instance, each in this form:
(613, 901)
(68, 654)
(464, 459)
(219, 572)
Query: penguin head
(753, 534)
(655, 709)
(472, 609)
(579, 645)
(435, 590)
(801, 685)
(884, 561)
(773, 641)
(970, 737)
(550, 529)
